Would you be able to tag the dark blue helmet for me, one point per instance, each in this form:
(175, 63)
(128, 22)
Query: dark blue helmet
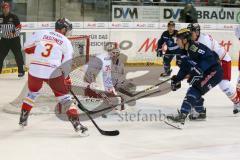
(63, 23)
(194, 27)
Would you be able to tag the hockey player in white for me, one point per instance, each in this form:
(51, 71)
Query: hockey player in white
(49, 50)
(237, 33)
(225, 59)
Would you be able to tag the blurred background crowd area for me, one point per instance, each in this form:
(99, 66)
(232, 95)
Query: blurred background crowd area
(98, 10)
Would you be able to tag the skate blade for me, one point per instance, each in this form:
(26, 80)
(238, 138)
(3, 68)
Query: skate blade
(84, 134)
(170, 123)
(174, 125)
(197, 120)
(22, 125)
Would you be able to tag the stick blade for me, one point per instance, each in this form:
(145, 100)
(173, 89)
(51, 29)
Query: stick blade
(110, 133)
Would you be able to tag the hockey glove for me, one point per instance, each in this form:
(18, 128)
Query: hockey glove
(159, 52)
(175, 84)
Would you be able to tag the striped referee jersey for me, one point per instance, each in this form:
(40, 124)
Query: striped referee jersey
(10, 24)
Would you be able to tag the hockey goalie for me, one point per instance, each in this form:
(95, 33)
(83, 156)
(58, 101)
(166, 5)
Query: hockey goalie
(49, 50)
(105, 74)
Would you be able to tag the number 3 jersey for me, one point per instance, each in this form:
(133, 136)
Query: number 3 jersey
(49, 50)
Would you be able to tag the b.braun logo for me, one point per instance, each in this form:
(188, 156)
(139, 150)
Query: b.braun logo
(125, 13)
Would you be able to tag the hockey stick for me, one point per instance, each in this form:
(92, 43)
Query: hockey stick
(103, 132)
(128, 101)
(147, 89)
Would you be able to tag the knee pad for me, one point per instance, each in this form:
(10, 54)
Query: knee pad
(227, 88)
(65, 99)
(64, 103)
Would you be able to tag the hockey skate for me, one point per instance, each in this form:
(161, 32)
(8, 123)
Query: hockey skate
(166, 73)
(236, 108)
(194, 115)
(78, 127)
(176, 121)
(23, 118)
(21, 74)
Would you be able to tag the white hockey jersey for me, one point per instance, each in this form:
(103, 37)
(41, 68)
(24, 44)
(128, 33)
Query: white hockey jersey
(211, 43)
(107, 75)
(51, 49)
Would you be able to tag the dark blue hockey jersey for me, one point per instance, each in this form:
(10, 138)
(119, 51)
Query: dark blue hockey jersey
(198, 60)
(169, 40)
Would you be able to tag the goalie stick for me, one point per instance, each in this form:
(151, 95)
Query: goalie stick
(145, 90)
(103, 132)
(128, 101)
(133, 99)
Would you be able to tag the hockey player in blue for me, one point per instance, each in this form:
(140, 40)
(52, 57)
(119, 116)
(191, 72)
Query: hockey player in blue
(168, 38)
(203, 71)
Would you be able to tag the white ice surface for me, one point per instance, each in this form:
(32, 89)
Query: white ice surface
(48, 138)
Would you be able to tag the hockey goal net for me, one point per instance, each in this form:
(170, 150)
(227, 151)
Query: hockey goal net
(46, 102)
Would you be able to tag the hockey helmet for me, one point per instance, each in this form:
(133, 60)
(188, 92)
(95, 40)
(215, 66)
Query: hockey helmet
(63, 23)
(194, 27)
(184, 34)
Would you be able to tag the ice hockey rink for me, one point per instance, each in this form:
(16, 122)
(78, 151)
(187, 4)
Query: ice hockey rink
(48, 138)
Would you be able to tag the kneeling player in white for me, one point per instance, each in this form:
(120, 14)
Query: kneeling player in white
(225, 59)
(109, 70)
(50, 49)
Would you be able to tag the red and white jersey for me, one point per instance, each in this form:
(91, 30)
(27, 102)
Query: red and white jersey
(49, 50)
(108, 75)
(211, 43)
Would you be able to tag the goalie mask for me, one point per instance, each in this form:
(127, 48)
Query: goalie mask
(114, 53)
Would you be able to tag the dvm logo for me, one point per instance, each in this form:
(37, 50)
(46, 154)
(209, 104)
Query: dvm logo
(125, 13)
(170, 13)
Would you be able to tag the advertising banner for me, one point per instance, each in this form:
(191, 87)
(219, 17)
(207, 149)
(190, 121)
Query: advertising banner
(166, 13)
